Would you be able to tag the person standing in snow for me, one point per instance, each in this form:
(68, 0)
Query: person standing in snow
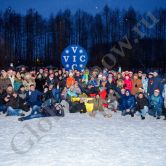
(164, 96)
(157, 81)
(150, 84)
(127, 83)
(136, 84)
(145, 83)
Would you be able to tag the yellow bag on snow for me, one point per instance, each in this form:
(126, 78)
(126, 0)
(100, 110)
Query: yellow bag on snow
(89, 106)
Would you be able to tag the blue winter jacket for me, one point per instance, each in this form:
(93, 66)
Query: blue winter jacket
(93, 83)
(156, 101)
(128, 102)
(34, 98)
(57, 94)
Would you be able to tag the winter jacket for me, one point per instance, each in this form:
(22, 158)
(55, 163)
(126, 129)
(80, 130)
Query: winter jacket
(51, 81)
(4, 82)
(111, 86)
(136, 84)
(103, 94)
(128, 102)
(157, 83)
(156, 102)
(85, 78)
(120, 101)
(40, 83)
(57, 94)
(77, 90)
(34, 98)
(141, 103)
(71, 93)
(23, 104)
(70, 82)
(93, 83)
(13, 101)
(164, 92)
(145, 84)
(164, 95)
(98, 104)
(17, 84)
(62, 83)
(128, 84)
(113, 97)
(47, 95)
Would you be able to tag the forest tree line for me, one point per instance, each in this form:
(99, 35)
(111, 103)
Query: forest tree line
(34, 40)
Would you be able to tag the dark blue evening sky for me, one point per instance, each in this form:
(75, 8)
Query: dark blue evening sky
(46, 7)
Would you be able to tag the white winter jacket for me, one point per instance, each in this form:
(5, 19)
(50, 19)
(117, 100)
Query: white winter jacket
(164, 92)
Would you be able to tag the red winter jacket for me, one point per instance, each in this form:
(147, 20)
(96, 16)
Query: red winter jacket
(103, 94)
(128, 84)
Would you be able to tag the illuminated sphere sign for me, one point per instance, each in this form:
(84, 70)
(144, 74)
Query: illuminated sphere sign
(74, 57)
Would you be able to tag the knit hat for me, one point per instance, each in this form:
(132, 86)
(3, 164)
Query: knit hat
(157, 90)
(150, 73)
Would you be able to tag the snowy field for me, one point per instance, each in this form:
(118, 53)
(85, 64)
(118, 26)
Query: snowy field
(80, 140)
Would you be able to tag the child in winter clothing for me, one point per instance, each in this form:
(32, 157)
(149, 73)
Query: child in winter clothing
(156, 104)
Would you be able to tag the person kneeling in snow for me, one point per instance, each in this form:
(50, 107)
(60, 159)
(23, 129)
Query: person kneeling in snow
(99, 106)
(142, 105)
(112, 100)
(128, 104)
(156, 104)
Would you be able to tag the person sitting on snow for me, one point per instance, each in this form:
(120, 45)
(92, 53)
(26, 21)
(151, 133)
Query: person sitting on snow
(11, 100)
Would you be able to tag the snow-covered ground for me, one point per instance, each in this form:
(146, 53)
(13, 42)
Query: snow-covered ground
(80, 140)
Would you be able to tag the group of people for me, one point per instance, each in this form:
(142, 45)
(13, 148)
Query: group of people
(39, 93)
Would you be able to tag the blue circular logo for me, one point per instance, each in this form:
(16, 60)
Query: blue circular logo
(74, 57)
